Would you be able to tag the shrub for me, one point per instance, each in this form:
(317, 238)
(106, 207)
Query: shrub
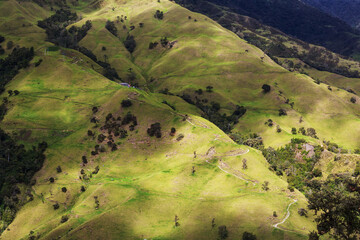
(153, 45)
(110, 26)
(269, 123)
(103, 48)
(2, 51)
(2, 39)
(293, 131)
(282, 112)
(63, 189)
(52, 180)
(302, 212)
(357, 169)
(302, 131)
(82, 189)
(84, 160)
(265, 186)
(275, 214)
(209, 89)
(155, 130)
(64, 218)
(180, 137)
(56, 206)
(130, 43)
(278, 129)
(58, 169)
(248, 236)
(164, 41)
(311, 132)
(199, 91)
(159, 15)
(172, 131)
(266, 88)
(353, 100)
(10, 45)
(223, 232)
(313, 236)
(126, 103)
(38, 63)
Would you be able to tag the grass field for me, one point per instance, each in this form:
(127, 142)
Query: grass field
(147, 181)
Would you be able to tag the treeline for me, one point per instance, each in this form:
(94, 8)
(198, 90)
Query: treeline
(18, 165)
(57, 33)
(10, 66)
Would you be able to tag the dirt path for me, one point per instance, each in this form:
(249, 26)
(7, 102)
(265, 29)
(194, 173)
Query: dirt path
(286, 217)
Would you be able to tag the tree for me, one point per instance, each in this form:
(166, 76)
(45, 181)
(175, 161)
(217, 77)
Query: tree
(244, 166)
(353, 99)
(338, 202)
(130, 43)
(126, 103)
(248, 236)
(265, 186)
(64, 218)
(56, 206)
(313, 236)
(282, 112)
(177, 221)
(266, 88)
(209, 89)
(10, 45)
(193, 171)
(159, 15)
(223, 232)
(155, 130)
(293, 131)
(63, 189)
(84, 160)
(110, 26)
(58, 169)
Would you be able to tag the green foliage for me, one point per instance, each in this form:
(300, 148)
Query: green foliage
(266, 88)
(357, 169)
(110, 26)
(155, 130)
(223, 232)
(293, 131)
(248, 236)
(159, 15)
(130, 43)
(251, 139)
(337, 201)
(10, 66)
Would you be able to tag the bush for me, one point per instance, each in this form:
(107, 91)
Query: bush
(52, 180)
(38, 63)
(172, 131)
(2, 39)
(248, 236)
(10, 45)
(64, 218)
(155, 130)
(302, 212)
(63, 189)
(56, 206)
(110, 26)
(353, 100)
(82, 189)
(293, 131)
(311, 132)
(180, 137)
(164, 41)
(266, 88)
(84, 160)
(130, 43)
(126, 103)
(58, 169)
(159, 15)
(223, 232)
(153, 45)
(282, 112)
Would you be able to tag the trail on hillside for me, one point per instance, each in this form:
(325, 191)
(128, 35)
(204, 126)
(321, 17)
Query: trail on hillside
(286, 217)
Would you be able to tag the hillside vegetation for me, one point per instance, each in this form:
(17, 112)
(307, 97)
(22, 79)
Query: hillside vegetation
(145, 162)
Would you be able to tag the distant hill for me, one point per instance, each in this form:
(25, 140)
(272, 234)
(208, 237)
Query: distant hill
(298, 19)
(347, 10)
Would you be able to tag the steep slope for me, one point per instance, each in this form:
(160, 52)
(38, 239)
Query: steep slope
(236, 72)
(297, 19)
(147, 181)
(347, 10)
(137, 190)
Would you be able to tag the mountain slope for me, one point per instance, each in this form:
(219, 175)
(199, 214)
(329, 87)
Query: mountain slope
(347, 10)
(297, 19)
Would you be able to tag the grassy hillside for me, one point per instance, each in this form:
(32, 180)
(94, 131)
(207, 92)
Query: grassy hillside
(147, 181)
(197, 174)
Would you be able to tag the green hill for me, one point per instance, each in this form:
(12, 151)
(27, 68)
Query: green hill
(168, 186)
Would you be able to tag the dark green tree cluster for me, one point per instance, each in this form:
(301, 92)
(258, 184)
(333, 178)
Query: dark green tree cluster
(10, 66)
(155, 130)
(336, 203)
(110, 26)
(18, 165)
(299, 171)
(211, 112)
(130, 43)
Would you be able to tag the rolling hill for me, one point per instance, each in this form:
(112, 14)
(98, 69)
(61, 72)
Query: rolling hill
(155, 167)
